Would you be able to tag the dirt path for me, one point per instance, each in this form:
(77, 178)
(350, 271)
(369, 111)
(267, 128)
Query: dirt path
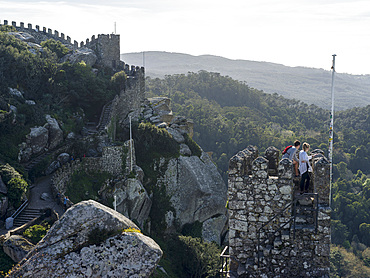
(43, 185)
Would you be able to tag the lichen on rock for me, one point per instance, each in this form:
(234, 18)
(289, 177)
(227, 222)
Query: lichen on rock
(67, 250)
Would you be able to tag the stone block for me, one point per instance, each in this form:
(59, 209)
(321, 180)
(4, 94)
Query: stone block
(238, 225)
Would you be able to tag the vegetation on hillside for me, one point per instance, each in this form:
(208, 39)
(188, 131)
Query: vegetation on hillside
(228, 115)
(71, 93)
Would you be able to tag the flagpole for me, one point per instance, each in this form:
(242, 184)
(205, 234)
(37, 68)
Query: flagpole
(331, 131)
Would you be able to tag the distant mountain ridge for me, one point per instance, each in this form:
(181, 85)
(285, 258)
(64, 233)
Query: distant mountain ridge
(309, 85)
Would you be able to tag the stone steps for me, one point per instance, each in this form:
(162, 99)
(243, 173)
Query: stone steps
(35, 161)
(25, 216)
(105, 117)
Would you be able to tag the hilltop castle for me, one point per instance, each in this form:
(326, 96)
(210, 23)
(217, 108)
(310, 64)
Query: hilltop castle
(106, 47)
(273, 230)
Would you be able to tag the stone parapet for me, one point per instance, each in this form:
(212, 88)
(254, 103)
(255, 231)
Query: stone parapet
(262, 237)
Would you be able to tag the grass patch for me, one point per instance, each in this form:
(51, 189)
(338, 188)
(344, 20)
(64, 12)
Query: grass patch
(36, 232)
(85, 185)
(193, 146)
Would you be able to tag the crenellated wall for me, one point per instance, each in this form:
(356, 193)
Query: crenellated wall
(106, 47)
(38, 33)
(258, 240)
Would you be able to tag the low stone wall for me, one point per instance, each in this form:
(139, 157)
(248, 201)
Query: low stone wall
(112, 161)
(254, 199)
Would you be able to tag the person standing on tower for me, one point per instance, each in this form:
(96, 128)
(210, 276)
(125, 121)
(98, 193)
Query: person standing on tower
(290, 152)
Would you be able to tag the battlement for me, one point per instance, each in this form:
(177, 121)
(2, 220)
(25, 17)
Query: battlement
(262, 205)
(38, 31)
(106, 46)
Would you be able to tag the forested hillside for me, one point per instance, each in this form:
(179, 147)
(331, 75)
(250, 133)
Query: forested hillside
(228, 115)
(309, 85)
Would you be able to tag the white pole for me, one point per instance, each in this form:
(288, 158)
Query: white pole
(130, 146)
(331, 130)
(115, 203)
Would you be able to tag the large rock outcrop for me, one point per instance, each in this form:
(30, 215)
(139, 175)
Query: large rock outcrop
(88, 242)
(55, 133)
(133, 200)
(17, 247)
(197, 193)
(40, 139)
(82, 54)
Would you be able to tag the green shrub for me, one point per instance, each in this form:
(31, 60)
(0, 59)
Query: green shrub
(16, 185)
(193, 146)
(7, 28)
(199, 258)
(193, 229)
(160, 206)
(36, 232)
(152, 142)
(85, 185)
(118, 81)
(55, 46)
(7, 173)
(16, 188)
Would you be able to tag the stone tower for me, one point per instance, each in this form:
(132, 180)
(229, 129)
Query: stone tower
(107, 49)
(273, 230)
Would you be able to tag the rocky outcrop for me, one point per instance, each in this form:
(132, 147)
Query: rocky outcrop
(23, 36)
(161, 110)
(133, 200)
(81, 54)
(40, 139)
(17, 247)
(62, 159)
(55, 133)
(213, 228)
(196, 190)
(88, 242)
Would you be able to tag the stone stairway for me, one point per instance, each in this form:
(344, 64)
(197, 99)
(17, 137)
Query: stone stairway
(303, 218)
(35, 161)
(104, 117)
(91, 128)
(25, 216)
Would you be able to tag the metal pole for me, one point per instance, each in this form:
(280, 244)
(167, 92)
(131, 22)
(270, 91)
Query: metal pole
(331, 131)
(130, 146)
(115, 28)
(115, 202)
(143, 59)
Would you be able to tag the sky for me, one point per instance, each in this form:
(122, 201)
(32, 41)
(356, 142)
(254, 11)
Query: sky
(290, 32)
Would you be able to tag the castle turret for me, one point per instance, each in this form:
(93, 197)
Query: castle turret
(273, 230)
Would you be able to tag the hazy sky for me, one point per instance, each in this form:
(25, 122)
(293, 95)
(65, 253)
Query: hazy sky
(290, 32)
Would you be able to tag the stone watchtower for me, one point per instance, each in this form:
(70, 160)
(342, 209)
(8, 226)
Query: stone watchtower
(273, 230)
(107, 49)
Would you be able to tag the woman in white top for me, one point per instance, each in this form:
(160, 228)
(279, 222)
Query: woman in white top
(304, 167)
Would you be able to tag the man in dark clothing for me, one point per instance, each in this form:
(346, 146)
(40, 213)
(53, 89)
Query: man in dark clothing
(292, 155)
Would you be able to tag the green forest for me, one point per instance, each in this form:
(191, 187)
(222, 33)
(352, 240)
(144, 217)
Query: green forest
(228, 115)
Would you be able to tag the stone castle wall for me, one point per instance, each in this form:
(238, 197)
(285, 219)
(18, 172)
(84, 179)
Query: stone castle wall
(107, 47)
(111, 162)
(256, 197)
